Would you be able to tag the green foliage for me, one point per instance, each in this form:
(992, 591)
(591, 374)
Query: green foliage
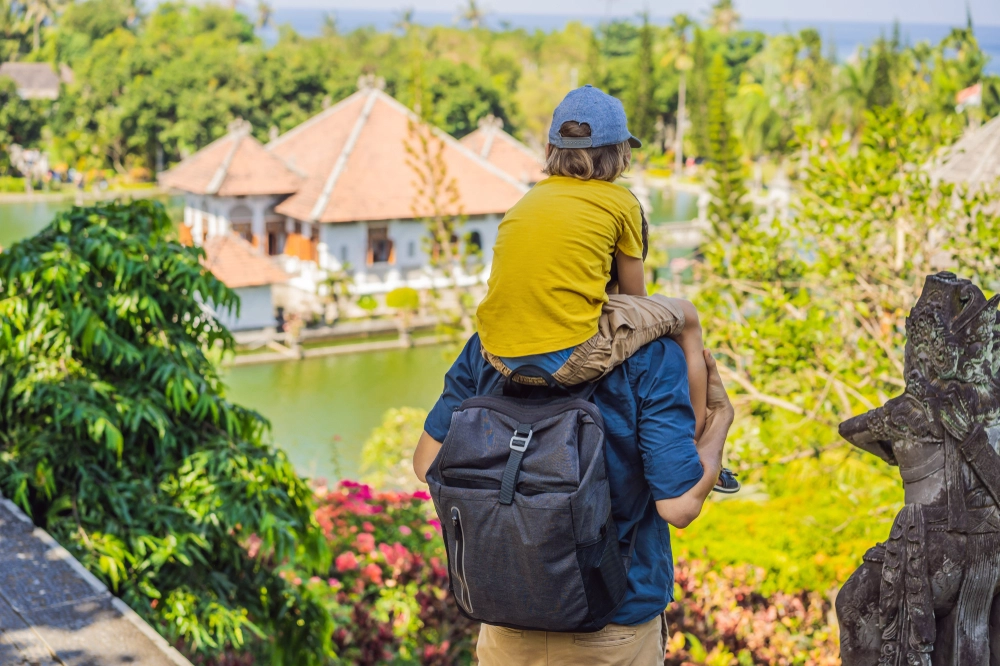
(115, 436)
(403, 298)
(368, 302)
(387, 454)
(730, 206)
(807, 315)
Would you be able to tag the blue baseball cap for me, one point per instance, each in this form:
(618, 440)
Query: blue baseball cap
(604, 113)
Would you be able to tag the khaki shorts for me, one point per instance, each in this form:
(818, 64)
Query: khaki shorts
(627, 323)
(614, 645)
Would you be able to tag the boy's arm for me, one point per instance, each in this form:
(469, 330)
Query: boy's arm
(631, 275)
(427, 450)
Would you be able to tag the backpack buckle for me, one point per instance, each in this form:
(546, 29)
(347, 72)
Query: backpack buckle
(519, 442)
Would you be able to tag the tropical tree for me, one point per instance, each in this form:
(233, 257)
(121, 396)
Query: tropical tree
(730, 207)
(473, 14)
(38, 12)
(116, 436)
(724, 17)
(643, 112)
(677, 55)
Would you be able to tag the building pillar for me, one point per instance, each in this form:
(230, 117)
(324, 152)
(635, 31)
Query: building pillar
(257, 225)
(198, 226)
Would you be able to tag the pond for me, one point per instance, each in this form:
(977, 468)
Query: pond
(323, 409)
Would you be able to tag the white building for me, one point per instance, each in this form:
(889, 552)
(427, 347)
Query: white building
(349, 188)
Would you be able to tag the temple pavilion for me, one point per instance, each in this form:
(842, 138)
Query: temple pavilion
(341, 192)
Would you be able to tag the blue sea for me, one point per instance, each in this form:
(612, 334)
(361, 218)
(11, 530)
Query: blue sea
(847, 36)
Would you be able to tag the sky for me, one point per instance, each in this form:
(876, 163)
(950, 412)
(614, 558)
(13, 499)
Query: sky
(984, 12)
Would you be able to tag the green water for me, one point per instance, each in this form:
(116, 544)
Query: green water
(20, 220)
(323, 409)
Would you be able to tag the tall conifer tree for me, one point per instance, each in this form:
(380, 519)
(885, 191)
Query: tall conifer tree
(643, 113)
(730, 207)
(698, 86)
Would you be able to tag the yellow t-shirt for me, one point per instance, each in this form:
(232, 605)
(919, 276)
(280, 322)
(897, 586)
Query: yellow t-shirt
(551, 264)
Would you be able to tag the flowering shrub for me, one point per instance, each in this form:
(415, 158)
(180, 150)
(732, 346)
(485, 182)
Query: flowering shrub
(388, 586)
(387, 590)
(720, 619)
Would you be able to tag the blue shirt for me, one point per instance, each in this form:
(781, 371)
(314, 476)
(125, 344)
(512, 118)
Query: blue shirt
(649, 454)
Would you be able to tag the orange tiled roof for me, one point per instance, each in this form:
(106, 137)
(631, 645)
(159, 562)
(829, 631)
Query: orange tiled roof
(235, 165)
(504, 151)
(356, 165)
(235, 262)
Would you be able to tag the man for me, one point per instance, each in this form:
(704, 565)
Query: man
(658, 477)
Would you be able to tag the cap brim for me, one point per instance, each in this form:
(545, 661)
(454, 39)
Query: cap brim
(634, 142)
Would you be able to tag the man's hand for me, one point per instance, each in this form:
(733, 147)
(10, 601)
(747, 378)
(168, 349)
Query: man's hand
(718, 406)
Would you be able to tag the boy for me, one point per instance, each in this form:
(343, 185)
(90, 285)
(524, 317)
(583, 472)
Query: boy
(548, 303)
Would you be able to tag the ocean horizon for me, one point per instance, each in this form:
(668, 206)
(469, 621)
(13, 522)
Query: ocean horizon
(847, 36)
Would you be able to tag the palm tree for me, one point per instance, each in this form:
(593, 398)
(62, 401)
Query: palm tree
(724, 17)
(38, 12)
(265, 14)
(473, 14)
(682, 62)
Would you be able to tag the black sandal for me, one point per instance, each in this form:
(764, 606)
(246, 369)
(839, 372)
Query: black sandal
(727, 483)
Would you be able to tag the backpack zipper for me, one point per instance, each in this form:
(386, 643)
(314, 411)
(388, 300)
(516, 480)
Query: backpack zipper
(458, 561)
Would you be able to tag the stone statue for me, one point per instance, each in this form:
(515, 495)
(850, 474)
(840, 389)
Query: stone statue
(928, 596)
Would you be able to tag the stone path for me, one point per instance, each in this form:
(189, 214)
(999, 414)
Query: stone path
(53, 612)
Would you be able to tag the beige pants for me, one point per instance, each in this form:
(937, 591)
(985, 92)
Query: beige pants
(627, 323)
(614, 645)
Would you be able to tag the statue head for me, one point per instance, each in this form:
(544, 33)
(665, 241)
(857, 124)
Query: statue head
(953, 334)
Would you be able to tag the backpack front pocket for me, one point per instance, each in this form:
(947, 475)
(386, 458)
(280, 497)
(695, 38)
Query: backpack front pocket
(517, 561)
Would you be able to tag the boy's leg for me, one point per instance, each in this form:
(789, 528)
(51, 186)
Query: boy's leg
(627, 324)
(693, 346)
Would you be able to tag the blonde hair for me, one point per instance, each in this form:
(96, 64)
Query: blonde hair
(603, 163)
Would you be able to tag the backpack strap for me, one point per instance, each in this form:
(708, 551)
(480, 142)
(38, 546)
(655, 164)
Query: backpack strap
(518, 445)
(631, 547)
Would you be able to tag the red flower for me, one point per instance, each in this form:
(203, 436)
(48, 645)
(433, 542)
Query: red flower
(347, 562)
(365, 543)
(373, 572)
(422, 495)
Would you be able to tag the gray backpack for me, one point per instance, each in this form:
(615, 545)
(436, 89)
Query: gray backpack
(522, 494)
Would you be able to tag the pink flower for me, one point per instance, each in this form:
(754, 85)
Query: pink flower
(367, 526)
(365, 543)
(281, 575)
(297, 581)
(253, 545)
(315, 579)
(373, 572)
(422, 495)
(334, 582)
(428, 535)
(405, 531)
(435, 523)
(347, 562)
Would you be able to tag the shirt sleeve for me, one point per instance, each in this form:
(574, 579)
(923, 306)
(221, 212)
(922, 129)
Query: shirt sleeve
(630, 241)
(459, 385)
(666, 423)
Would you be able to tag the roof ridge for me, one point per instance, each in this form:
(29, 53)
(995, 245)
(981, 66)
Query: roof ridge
(322, 115)
(520, 145)
(192, 156)
(455, 143)
(491, 135)
(219, 177)
(345, 153)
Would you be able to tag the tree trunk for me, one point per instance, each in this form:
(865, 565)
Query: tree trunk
(679, 134)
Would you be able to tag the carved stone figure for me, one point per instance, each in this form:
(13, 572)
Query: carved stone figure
(928, 595)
